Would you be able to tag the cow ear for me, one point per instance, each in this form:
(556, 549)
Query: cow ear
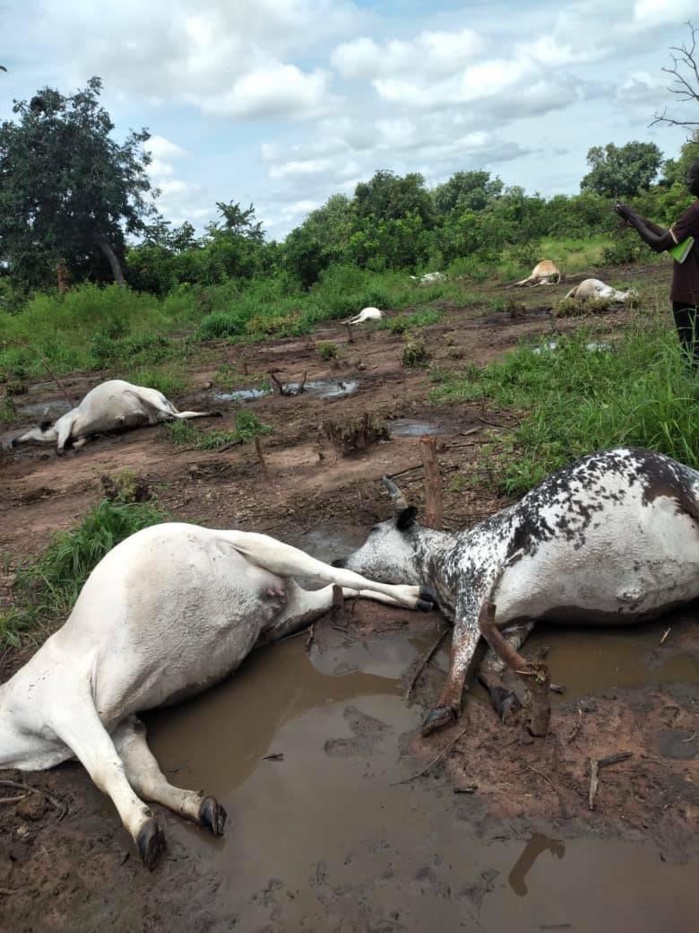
(406, 518)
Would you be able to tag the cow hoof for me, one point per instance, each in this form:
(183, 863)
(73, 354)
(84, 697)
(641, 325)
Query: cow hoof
(212, 815)
(439, 718)
(151, 843)
(424, 605)
(428, 595)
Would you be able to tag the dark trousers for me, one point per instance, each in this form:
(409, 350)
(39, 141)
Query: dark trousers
(686, 323)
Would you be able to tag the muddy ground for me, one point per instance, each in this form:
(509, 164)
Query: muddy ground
(342, 832)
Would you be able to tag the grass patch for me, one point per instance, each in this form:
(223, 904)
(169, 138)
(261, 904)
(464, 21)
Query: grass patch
(583, 396)
(247, 427)
(46, 589)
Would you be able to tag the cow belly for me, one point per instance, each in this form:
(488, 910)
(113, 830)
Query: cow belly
(621, 573)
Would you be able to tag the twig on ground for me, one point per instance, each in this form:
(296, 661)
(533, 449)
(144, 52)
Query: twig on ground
(427, 657)
(576, 728)
(595, 765)
(62, 808)
(667, 632)
(542, 775)
(275, 756)
(13, 799)
(447, 748)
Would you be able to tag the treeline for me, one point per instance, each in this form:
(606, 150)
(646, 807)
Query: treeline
(397, 223)
(77, 207)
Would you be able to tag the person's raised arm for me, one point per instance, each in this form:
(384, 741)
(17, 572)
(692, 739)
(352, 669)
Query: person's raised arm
(652, 235)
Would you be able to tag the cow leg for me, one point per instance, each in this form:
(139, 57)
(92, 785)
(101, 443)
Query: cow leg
(144, 775)
(77, 724)
(288, 561)
(463, 647)
(492, 668)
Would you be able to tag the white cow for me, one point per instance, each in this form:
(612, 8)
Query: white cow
(165, 614)
(429, 278)
(595, 288)
(114, 405)
(367, 314)
(543, 273)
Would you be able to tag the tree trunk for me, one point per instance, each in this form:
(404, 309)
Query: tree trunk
(113, 260)
(63, 277)
(433, 483)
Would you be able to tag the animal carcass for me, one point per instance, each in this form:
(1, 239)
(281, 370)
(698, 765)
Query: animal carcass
(114, 405)
(165, 614)
(611, 538)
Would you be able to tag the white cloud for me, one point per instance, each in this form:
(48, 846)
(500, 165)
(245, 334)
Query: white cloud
(660, 12)
(436, 53)
(162, 148)
(273, 90)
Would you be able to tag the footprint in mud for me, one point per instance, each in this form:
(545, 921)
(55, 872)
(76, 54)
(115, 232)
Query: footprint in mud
(367, 730)
(677, 743)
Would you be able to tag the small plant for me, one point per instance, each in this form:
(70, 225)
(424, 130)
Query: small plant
(571, 307)
(351, 437)
(125, 487)
(248, 426)
(327, 350)
(415, 354)
(181, 433)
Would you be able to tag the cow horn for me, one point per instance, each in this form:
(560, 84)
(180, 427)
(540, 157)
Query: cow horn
(399, 500)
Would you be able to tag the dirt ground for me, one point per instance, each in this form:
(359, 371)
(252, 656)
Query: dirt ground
(65, 864)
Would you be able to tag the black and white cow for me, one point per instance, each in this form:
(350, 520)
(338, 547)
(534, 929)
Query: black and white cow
(165, 614)
(611, 538)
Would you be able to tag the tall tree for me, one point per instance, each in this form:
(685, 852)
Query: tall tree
(466, 191)
(622, 171)
(67, 188)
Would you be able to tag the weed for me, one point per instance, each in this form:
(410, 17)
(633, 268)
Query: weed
(247, 427)
(415, 354)
(351, 437)
(327, 350)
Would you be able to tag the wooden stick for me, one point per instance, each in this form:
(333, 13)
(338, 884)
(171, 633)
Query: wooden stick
(595, 765)
(260, 456)
(423, 663)
(662, 640)
(349, 334)
(576, 728)
(433, 483)
(538, 702)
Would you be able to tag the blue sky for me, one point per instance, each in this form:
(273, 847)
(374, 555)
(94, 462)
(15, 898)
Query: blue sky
(282, 103)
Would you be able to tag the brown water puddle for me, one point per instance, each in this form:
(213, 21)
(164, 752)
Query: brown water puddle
(324, 839)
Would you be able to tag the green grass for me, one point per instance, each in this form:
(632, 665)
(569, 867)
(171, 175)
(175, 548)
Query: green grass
(247, 427)
(574, 400)
(46, 588)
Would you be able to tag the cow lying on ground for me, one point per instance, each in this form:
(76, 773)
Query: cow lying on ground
(543, 273)
(111, 406)
(168, 612)
(429, 278)
(596, 288)
(611, 538)
(367, 314)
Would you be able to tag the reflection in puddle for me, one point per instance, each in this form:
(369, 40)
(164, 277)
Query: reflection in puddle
(321, 388)
(533, 849)
(406, 427)
(45, 411)
(242, 395)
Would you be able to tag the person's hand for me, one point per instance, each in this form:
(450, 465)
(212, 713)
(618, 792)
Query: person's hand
(623, 211)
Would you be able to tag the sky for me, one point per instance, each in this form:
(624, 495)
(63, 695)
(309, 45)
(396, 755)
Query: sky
(283, 103)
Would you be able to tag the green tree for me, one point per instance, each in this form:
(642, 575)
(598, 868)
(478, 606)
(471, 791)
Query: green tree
(388, 196)
(466, 191)
(67, 187)
(622, 171)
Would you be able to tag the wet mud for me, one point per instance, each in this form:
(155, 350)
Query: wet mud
(313, 746)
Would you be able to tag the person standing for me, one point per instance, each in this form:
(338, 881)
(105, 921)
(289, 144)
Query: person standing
(684, 292)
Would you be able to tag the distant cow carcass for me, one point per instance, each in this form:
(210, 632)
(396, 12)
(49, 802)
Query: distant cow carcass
(429, 278)
(165, 614)
(114, 405)
(543, 273)
(595, 288)
(366, 314)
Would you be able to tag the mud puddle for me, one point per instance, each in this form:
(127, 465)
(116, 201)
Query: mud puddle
(322, 837)
(319, 388)
(408, 427)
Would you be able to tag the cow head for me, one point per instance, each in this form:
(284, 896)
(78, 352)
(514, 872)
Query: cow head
(388, 555)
